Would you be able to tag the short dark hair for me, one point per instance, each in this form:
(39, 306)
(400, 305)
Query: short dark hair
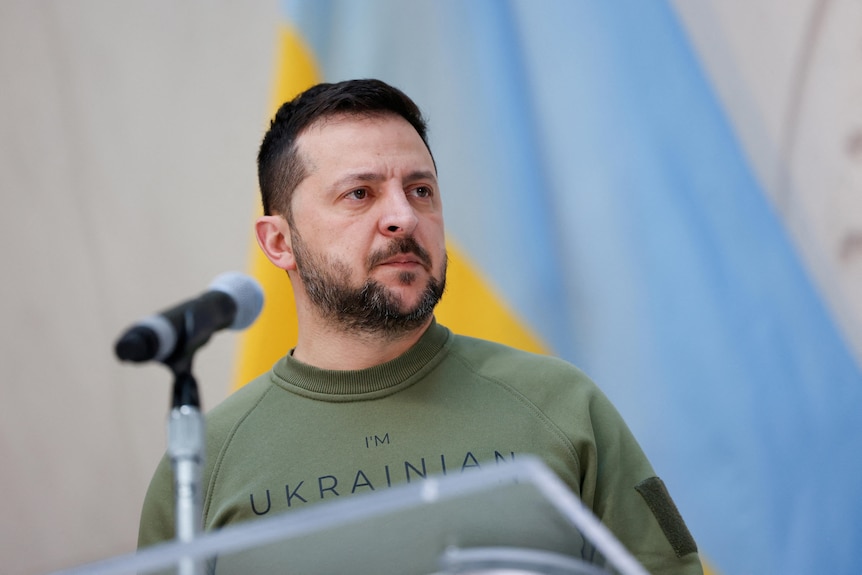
(279, 167)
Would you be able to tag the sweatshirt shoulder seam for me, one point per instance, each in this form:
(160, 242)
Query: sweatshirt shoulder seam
(225, 445)
(547, 422)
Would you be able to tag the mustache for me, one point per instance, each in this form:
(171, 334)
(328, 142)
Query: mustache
(401, 246)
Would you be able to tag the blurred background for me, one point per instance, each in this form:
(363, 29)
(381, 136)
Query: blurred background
(666, 193)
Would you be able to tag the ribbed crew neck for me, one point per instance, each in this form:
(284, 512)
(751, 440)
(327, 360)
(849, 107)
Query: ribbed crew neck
(380, 380)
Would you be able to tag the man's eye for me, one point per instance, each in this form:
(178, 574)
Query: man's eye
(422, 191)
(359, 194)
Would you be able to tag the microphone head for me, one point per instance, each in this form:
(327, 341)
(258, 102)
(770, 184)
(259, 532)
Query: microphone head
(245, 292)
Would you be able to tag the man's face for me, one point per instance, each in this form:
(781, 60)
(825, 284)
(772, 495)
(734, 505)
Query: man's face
(367, 224)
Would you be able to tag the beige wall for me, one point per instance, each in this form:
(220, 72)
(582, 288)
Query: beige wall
(127, 173)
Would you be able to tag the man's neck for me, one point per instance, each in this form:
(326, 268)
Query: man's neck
(328, 347)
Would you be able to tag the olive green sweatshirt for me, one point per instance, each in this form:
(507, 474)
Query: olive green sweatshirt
(299, 435)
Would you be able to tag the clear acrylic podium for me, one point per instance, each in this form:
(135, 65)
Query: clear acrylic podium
(510, 518)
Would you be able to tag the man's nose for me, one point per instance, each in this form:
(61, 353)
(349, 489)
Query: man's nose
(398, 217)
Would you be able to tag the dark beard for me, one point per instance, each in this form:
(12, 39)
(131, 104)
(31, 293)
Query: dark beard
(372, 308)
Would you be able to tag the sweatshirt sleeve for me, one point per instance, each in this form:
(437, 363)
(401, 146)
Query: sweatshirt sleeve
(157, 523)
(157, 514)
(623, 490)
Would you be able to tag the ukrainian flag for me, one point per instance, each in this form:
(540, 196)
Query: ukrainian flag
(598, 207)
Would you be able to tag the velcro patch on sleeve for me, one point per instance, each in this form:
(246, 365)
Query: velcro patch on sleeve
(669, 519)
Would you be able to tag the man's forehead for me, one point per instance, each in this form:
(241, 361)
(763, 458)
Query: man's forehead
(341, 118)
(322, 138)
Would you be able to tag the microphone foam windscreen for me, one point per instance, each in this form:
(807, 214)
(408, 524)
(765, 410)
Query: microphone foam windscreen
(245, 292)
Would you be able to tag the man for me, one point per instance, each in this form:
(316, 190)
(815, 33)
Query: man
(353, 213)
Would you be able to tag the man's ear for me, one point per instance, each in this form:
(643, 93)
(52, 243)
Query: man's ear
(273, 237)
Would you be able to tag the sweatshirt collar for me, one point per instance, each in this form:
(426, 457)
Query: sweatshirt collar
(380, 380)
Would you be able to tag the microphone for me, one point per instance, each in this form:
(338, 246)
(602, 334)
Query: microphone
(233, 301)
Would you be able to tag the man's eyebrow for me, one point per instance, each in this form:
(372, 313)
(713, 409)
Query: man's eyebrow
(420, 175)
(358, 177)
(362, 177)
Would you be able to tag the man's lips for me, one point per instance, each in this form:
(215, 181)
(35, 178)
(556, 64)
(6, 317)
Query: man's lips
(403, 260)
(405, 253)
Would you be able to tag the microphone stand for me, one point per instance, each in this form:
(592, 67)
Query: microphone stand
(186, 449)
(234, 301)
